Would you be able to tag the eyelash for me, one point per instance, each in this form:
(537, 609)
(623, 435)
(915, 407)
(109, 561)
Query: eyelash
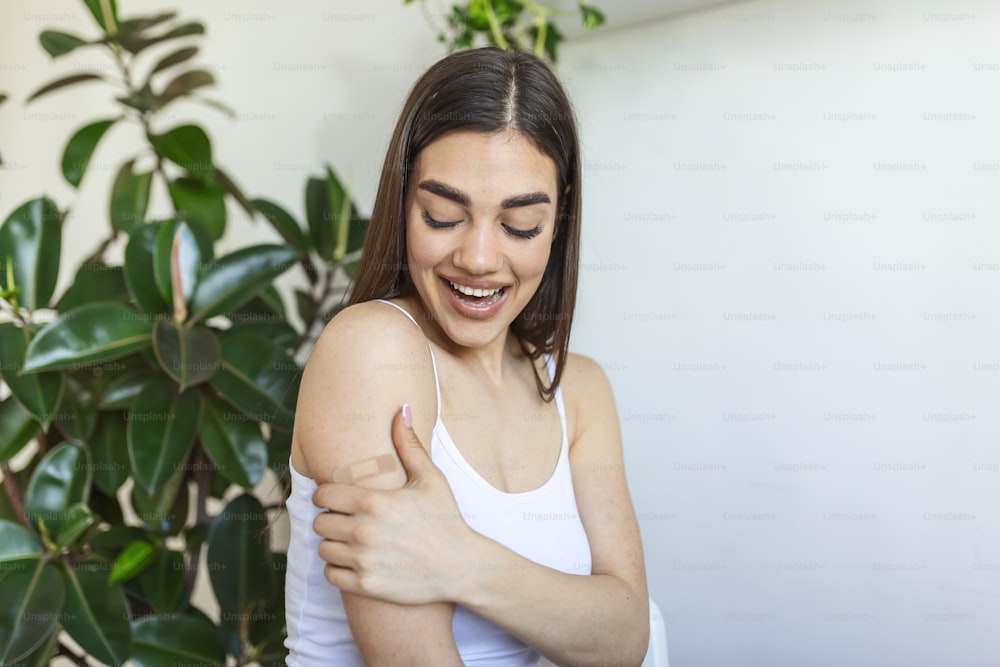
(516, 233)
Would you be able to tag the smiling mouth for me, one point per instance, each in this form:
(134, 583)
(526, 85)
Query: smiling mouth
(475, 295)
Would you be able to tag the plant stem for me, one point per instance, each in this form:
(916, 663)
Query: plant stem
(144, 116)
(14, 495)
(491, 16)
(14, 312)
(66, 652)
(201, 483)
(98, 254)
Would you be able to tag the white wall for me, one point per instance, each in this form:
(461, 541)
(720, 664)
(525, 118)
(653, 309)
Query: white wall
(790, 274)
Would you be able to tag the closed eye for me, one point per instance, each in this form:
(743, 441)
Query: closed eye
(524, 233)
(434, 223)
(437, 224)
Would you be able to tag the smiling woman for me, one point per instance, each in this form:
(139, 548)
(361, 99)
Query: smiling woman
(507, 532)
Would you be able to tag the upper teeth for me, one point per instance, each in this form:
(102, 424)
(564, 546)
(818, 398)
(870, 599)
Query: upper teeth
(471, 291)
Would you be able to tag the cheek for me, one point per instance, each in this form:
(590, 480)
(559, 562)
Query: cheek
(533, 263)
(421, 251)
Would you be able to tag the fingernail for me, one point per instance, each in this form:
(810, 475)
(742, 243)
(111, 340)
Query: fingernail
(407, 415)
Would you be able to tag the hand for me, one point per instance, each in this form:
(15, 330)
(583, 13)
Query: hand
(402, 546)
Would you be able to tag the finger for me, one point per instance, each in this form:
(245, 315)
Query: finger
(343, 498)
(334, 526)
(343, 578)
(337, 554)
(408, 446)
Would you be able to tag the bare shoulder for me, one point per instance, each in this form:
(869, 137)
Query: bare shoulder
(587, 394)
(369, 360)
(367, 327)
(583, 373)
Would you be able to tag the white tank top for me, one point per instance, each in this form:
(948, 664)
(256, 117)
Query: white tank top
(542, 524)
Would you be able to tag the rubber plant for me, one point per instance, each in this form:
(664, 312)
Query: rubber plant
(523, 24)
(155, 389)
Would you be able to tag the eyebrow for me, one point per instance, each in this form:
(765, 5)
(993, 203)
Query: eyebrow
(448, 192)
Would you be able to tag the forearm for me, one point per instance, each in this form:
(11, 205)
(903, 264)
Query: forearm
(571, 619)
(391, 635)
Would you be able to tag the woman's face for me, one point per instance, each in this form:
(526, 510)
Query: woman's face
(480, 217)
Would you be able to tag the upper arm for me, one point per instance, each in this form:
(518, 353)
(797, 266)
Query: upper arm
(598, 468)
(368, 362)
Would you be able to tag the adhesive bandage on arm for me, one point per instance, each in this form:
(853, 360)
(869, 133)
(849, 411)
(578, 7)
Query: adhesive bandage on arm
(364, 469)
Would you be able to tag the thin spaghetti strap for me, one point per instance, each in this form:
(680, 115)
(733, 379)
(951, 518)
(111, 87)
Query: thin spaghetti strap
(437, 383)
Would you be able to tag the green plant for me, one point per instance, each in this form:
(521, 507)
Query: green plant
(504, 23)
(152, 391)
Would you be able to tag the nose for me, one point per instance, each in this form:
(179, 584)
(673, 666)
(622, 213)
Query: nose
(478, 250)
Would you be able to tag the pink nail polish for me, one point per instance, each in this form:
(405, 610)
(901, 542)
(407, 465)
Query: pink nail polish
(407, 416)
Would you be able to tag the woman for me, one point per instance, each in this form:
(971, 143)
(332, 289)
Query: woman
(488, 520)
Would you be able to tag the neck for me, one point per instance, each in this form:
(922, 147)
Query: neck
(493, 359)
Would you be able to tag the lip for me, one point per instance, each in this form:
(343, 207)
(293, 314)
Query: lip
(475, 284)
(469, 310)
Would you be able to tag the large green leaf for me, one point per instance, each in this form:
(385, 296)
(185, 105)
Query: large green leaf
(105, 12)
(161, 428)
(164, 512)
(268, 624)
(140, 42)
(155, 642)
(279, 450)
(89, 334)
(109, 450)
(45, 654)
(61, 480)
(79, 518)
(17, 428)
(129, 197)
(175, 58)
(186, 146)
(189, 356)
(77, 413)
(163, 581)
(330, 213)
(183, 84)
(39, 393)
(138, 269)
(188, 259)
(95, 283)
(121, 392)
(58, 43)
(203, 201)
(33, 599)
(80, 148)
(283, 222)
(97, 615)
(132, 29)
(58, 84)
(16, 544)
(30, 243)
(239, 557)
(267, 306)
(234, 443)
(319, 217)
(277, 331)
(258, 377)
(233, 279)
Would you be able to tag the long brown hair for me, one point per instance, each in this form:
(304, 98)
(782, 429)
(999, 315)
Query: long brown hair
(485, 90)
